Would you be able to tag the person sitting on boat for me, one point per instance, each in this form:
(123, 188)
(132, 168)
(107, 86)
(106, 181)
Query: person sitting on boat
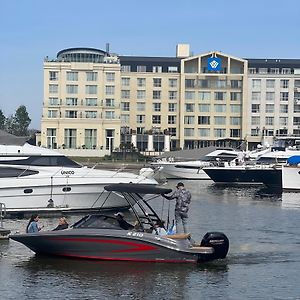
(159, 228)
(122, 222)
(32, 225)
(183, 199)
(62, 224)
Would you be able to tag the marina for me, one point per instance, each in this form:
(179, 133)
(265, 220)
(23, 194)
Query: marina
(263, 258)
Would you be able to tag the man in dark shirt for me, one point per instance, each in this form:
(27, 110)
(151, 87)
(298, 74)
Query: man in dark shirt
(62, 224)
(122, 222)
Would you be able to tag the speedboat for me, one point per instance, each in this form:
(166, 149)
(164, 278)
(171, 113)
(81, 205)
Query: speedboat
(265, 169)
(45, 181)
(100, 237)
(193, 169)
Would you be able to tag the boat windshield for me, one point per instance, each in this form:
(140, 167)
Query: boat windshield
(98, 221)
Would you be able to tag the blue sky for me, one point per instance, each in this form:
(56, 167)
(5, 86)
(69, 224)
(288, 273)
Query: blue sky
(33, 29)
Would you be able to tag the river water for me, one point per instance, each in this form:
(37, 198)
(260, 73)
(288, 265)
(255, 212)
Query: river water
(263, 260)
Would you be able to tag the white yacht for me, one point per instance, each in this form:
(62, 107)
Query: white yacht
(172, 169)
(43, 180)
(291, 174)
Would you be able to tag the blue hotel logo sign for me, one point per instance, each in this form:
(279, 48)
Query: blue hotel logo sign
(214, 64)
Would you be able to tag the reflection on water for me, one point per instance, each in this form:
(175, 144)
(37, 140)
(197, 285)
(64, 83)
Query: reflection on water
(291, 200)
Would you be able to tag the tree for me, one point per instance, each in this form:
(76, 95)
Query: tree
(2, 120)
(21, 121)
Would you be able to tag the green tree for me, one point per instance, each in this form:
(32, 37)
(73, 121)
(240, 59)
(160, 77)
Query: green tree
(2, 120)
(22, 121)
(10, 124)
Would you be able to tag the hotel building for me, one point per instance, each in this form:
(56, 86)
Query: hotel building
(98, 101)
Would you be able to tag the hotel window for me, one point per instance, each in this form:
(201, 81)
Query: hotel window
(156, 107)
(255, 96)
(263, 70)
(219, 132)
(172, 69)
(140, 106)
(220, 120)
(157, 82)
(53, 101)
(140, 130)
(235, 96)
(189, 120)
(52, 113)
(235, 132)
(204, 132)
(53, 75)
(141, 94)
(70, 138)
(109, 115)
(284, 109)
(51, 138)
(219, 84)
(71, 101)
(156, 94)
(109, 102)
(286, 71)
(284, 96)
(255, 108)
(235, 121)
(171, 119)
(125, 81)
(296, 108)
(172, 95)
(125, 94)
(110, 77)
(72, 114)
(283, 121)
(156, 119)
(53, 88)
(189, 95)
(126, 68)
(220, 108)
(297, 83)
(235, 84)
(188, 131)
(270, 96)
(172, 82)
(255, 120)
(190, 83)
(91, 89)
(90, 138)
(270, 83)
(141, 82)
(91, 114)
(274, 71)
(269, 108)
(204, 96)
(204, 107)
(172, 107)
(124, 119)
(284, 83)
(256, 83)
(72, 89)
(296, 121)
(269, 120)
(109, 89)
(141, 68)
(204, 120)
(91, 76)
(252, 70)
(220, 96)
(235, 108)
(140, 118)
(72, 76)
(125, 106)
(204, 83)
(91, 101)
(157, 69)
(189, 107)
(172, 131)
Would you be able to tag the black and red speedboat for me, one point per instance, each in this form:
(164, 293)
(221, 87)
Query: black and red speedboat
(99, 236)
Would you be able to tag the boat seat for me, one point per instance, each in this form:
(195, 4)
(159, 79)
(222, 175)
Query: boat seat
(179, 236)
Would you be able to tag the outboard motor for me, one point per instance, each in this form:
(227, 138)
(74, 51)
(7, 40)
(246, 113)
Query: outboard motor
(218, 241)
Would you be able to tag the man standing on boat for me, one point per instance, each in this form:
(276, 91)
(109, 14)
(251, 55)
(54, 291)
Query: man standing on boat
(183, 199)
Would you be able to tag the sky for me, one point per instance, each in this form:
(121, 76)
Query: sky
(33, 29)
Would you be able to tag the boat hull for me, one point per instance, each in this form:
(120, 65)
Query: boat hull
(291, 178)
(118, 245)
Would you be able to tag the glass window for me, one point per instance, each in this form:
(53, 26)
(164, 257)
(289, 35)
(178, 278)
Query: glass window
(156, 106)
(190, 83)
(52, 113)
(157, 69)
(141, 82)
(189, 107)
(109, 115)
(270, 96)
(220, 95)
(72, 114)
(235, 84)
(72, 76)
(270, 83)
(172, 107)
(269, 120)
(72, 89)
(109, 102)
(110, 77)
(234, 108)
(284, 83)
(172, 82)
(109, 89)
(204, 120)
(204, 96)
(90, 139)
(220, 108)
(235, 121)
(125, 81)
(172, 69)
(141, 94)
(284, 96)
(91, 114)
(156, 94)
(53, 88)
(141, 68)
(51, 138)
(91, 76)
(53, 101)
(255, 96)
(125, 119)
(125, 106)
(189, 120)
(220, 120)
(91, 89)
(204, 107)
(156, 119)
(189, 95)
(140, 118)
(91, 101)
(71, 101)
(219, 132)
(125, 94)
(126, 68)
(189, 131)
(171, 119)
(53, 75)
(285, 109)
(140, 106)
(172, 95)
(255, 120)
(283, 121)
(269, 108)
(256, 83)
(255, 108)
(70, 138)
(235, 96)
(204, 132)
(157, 82)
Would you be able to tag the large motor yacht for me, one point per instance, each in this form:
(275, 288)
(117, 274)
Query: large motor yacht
(43, 180)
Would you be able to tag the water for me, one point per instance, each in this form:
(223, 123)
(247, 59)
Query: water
(263, 260)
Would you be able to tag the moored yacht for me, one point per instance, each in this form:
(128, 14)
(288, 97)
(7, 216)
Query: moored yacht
(38, 179)
(291, 174)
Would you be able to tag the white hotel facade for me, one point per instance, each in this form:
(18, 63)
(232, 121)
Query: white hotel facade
(96, 101)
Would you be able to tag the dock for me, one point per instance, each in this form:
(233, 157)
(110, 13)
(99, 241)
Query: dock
(4, 233)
